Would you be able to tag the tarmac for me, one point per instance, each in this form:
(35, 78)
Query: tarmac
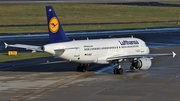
(53, 79)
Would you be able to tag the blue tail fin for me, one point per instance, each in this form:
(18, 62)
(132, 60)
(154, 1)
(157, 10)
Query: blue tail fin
(56, 32)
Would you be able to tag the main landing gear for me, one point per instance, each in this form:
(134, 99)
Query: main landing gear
(81, 68)
(119, 69)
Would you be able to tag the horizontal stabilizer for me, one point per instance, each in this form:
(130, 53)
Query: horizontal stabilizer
(28, 47)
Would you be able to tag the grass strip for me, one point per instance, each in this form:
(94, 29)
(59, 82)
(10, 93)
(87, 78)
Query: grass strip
(4, 57)
(35, 29)
(84, 13)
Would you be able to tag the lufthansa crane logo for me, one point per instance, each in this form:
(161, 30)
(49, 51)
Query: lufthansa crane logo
(54, 25)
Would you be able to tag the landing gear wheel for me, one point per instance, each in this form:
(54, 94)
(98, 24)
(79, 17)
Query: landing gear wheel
(78, 68)
(132, 68)
(115, 71)
(118, 71)
(81, 68)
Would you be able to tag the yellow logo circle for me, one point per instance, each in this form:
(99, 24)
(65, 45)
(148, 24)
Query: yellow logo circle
(54, 25)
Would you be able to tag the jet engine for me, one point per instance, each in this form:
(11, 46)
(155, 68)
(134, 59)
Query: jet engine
(142, 63)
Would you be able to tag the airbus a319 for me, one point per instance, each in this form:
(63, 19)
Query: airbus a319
(99, 51)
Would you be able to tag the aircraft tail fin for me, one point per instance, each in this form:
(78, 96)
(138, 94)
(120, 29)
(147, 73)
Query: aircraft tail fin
(56, 32)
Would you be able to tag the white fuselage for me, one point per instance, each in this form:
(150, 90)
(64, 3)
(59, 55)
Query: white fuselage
(97, 50)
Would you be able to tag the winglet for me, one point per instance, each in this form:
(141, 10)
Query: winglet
(5, 44)
(174, 54)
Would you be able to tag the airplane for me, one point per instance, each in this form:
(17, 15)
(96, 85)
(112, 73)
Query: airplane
(94, 51)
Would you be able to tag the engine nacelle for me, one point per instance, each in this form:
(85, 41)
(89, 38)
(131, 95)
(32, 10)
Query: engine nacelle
(143, 63)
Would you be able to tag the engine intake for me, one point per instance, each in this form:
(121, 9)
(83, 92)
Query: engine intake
(143, 63)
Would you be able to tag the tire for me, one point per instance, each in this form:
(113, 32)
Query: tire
(78, 68)
(132, 68)
(83, 69)
(120, 71)
(115, 71)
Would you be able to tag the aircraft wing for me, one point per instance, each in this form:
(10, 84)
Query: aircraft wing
(28, 47)
(173, 54)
